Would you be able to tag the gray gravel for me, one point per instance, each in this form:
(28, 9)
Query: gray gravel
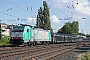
(72, 55)
(67, 56)
(17, 57)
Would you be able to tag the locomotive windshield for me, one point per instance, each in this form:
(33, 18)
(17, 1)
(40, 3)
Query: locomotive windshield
(18, 30)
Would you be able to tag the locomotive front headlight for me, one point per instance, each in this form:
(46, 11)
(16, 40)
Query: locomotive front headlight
(21, 38)
(12, 37)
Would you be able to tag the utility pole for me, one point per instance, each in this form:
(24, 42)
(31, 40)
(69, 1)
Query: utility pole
(82, 31)
(71, 10)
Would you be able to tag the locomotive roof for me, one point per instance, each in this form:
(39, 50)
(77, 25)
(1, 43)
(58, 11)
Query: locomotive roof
(19, 26)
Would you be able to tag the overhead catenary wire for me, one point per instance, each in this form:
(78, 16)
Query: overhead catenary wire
(18, 18)
(9, 8)
(25, 5)
(18, 6)
(9, 15)
(59, 9)
(13, 21)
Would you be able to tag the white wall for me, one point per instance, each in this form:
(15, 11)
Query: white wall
(5, 32)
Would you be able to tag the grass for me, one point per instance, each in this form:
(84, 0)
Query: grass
(89, 56)
(85, 56)
(80, 56)
(5, 41)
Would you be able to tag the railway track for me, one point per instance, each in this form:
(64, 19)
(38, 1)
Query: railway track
(18, 49)
(48, 53)
(53, 53)
(44, 52)
(26, 50)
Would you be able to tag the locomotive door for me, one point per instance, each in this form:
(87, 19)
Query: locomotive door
(28, 34)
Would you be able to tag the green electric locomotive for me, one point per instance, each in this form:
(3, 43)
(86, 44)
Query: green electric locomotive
(30, 36)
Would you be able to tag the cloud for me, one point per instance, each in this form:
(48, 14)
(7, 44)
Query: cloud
(55, 19)
(31, 20)
(60, 3)
(79, 18)
(81, 7)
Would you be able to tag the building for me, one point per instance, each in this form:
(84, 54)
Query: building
(5, 29)
(5, 32)
(3, 25)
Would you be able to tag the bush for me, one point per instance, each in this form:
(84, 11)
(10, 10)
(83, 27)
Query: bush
(4, 40)
(86, 56)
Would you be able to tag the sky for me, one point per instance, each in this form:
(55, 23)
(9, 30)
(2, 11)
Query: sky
(61, 11)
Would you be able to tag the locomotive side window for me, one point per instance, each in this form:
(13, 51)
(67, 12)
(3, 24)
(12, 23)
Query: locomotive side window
(27, 30)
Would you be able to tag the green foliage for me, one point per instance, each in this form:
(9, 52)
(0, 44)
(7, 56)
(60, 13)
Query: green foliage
(0, 32)
(81, 34)
(40, 21)
(70, 28)
(43, 17)
(4, 40)
(86, 56)
(87, 35)
(46, 16)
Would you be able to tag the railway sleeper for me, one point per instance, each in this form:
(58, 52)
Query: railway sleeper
(20, 52)
(34, 56)
(48, 58)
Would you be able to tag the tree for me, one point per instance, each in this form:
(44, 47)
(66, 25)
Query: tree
(87, 35)
(43, 17)
(75, 27)
(46, 16)
(0, 32)
(70, 28)
(82, 34)
(39, 22)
